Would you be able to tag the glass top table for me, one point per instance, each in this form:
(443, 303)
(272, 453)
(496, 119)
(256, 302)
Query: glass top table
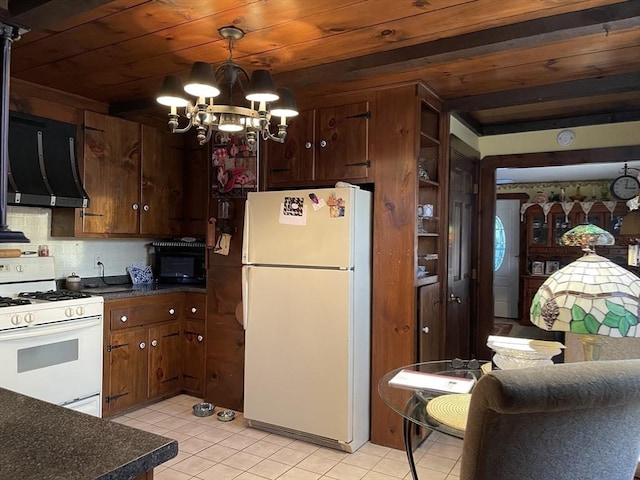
(434, 395)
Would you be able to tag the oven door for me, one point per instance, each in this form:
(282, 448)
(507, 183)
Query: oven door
(58, 363)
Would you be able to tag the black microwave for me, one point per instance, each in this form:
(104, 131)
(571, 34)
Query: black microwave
(178, 262)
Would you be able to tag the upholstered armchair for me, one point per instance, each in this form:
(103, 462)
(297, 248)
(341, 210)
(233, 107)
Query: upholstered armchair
(562, 422)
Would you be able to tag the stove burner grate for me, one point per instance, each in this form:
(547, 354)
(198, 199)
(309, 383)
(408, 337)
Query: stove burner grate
(54, 295)
(12, 302)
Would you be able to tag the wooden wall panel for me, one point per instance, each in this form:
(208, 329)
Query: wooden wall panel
(394, 308)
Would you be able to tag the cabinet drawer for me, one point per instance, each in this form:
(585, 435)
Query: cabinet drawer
(144, 314)
(195, 306)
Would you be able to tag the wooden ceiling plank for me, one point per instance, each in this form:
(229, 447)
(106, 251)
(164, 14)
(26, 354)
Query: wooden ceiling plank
(520, 7)
(200, 36)
(499, 39)
(142, 20)
(577, 88)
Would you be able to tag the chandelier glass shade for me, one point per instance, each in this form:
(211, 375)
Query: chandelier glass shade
(249, 115)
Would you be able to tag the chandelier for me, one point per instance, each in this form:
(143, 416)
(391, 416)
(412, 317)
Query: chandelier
(258, 98)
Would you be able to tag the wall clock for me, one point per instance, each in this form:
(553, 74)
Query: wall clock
(625, 187)
(565, 138)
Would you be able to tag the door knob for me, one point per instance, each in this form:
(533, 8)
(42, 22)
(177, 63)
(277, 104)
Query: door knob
(454, 298)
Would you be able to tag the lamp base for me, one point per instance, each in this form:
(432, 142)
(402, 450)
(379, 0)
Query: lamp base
(592, 346)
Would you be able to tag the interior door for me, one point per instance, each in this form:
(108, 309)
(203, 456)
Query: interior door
(507, 247)
(461, 234)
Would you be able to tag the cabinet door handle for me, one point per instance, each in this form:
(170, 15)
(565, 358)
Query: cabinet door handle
(200, 338)
(425, 329)
(307, 145)
(171, 311)
(194, 309)
(454, 298)
(135, 206)
(123, 318)
(146, 208)
(323, 143)
(142, 345)
(154, 343)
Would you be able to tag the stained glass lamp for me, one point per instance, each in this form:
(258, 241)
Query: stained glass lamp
(591, 296)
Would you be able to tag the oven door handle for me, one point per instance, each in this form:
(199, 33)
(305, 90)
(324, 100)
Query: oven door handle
(39, 331)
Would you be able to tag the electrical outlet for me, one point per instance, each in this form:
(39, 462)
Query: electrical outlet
(96, 260)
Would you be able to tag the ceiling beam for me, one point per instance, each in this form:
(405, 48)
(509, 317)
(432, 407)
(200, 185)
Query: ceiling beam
(527, 34)
(44, 13)
(627, 82)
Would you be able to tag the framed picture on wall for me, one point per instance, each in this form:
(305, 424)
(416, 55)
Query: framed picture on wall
(551, 266)
(537, 268)
(233, 167)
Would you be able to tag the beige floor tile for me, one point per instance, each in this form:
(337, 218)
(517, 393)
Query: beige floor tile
(153, 417)
(374, 449)
(317, 464)
(392, 467)
(171, 474)
(298, 474)
(172, 423)
(193, 465)
(214, 435)
(237, 441)
(436, 462)
(289, 456)
(303, 446)
(192, 428)
(361, 459)
(447, 451)
(248, 476)
(331, 453)
(180, 437)
(278, 439)
(262, 448)
(219, 472)
(401, 455)
(269, 469)
(371, 475)
(429, 474)
(342, 471)
(194, 445)
(242, 460)
(217, 453)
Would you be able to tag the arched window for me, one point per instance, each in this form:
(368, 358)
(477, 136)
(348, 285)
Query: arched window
(500, 246)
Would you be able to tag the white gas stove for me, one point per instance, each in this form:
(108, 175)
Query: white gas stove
(50, 340)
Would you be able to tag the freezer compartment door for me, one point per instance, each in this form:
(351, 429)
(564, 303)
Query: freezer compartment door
(284, 228)
(299, 350)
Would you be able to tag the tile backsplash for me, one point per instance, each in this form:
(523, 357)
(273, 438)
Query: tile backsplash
(74, 255)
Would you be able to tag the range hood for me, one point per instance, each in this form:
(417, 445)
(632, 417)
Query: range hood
(43, 168)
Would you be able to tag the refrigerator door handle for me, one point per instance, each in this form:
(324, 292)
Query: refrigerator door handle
(245, 295)
(245, 234)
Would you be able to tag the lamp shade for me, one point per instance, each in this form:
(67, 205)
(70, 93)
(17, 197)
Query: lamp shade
(261, 87)
(202, 82)
(587, 235)
(285, 106)
(172, 94)
(591, 295)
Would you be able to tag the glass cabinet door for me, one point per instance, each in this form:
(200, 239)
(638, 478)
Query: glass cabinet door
(538, 230)
(560, 224)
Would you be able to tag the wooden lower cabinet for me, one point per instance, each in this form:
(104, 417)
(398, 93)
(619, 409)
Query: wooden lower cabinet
(150, 349)
(194, 344)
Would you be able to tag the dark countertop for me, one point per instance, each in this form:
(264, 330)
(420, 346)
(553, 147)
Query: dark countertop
(39, 440)
(116, 292)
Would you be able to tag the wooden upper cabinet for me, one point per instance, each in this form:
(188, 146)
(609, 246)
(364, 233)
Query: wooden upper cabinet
(343, 152)
(196, 189)
(134, 176)
(322, 147)
(111, 174)
(161, 187)
(291, 162)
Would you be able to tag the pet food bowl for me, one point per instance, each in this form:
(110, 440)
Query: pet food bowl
(203, 409)
(226, 415)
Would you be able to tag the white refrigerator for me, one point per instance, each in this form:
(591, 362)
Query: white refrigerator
(307, 314)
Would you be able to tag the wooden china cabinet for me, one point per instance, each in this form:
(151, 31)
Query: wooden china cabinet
(543, 252)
